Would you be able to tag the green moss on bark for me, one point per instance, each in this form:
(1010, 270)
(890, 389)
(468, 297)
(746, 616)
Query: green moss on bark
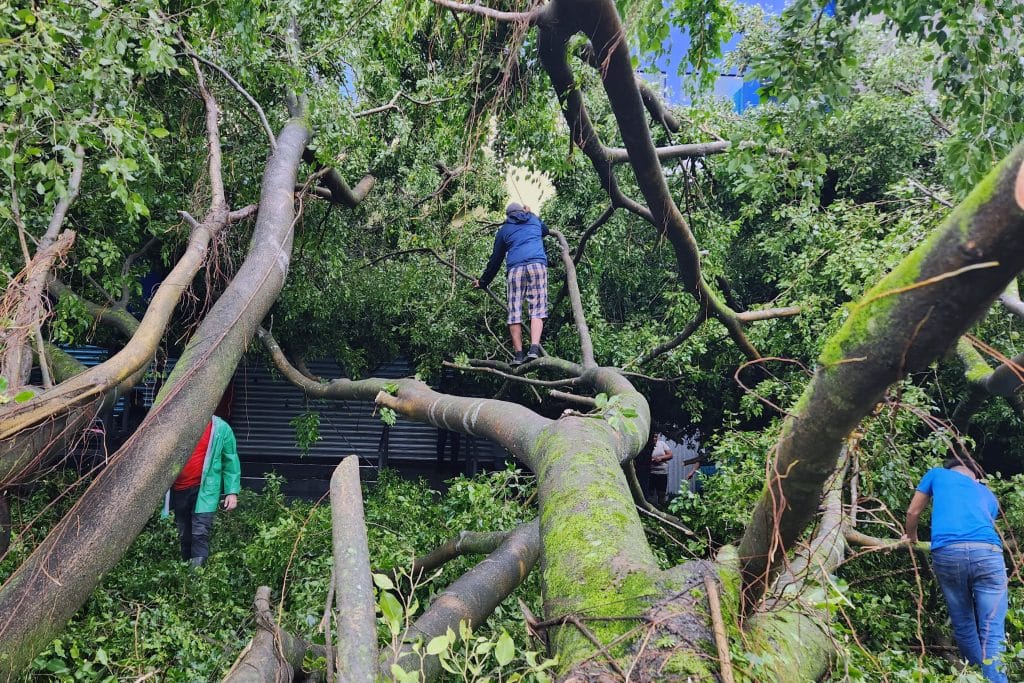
(976, 370)
(596, 561)
(869, 317)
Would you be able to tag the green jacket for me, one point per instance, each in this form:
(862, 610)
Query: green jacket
(221, 470)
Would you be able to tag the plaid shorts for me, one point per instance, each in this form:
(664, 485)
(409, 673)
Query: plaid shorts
(531, 281)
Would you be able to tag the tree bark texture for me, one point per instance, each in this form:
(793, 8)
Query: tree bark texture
(356, 653)
(37, 600)
(273, 655)
(906, 321)
(471, 598)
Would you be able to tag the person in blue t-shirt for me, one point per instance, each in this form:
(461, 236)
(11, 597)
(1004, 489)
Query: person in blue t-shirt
(520, 242)
(967, 556)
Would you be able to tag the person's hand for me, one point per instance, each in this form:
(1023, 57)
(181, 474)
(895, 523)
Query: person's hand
(476, 284)
(230, 501)
(905, 538)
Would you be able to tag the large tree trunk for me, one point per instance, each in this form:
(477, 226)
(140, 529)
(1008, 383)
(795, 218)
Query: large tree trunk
(59, 576)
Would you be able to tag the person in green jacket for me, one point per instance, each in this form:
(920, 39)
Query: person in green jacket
(212, 468)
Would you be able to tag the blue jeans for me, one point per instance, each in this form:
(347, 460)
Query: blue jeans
(973, 579)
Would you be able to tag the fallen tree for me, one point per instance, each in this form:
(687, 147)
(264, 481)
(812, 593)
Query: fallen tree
(608, 606)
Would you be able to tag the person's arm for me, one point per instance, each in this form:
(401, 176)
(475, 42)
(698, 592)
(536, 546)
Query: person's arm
(544, 231)
(497, 256)
(231, 469)
(917, 505)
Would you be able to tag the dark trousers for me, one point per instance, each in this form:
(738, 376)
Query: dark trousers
(193, 527)
(659, 488)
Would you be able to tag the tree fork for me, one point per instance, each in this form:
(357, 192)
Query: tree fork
(273, 654)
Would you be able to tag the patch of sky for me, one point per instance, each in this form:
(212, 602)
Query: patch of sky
(670, 70)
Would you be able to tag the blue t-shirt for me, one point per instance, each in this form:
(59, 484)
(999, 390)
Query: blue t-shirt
(963, 510)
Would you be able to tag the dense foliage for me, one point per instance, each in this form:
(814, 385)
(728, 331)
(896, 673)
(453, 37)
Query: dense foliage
(153, 615)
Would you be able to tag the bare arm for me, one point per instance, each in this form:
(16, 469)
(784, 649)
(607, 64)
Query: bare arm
(917, 505)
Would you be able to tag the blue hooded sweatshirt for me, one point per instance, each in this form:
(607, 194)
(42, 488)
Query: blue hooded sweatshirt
(519, 241)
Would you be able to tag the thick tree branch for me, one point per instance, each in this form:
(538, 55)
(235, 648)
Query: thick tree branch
(337, 190)
(117, 317)
(218, 202)
(1010, 299)
(598, 19)
(513, 426)
(145, 339)
(901, 325)
(655, 107)
(573, 287)
(794, 629)
(61, 573)
(470, 598)
(356, 652)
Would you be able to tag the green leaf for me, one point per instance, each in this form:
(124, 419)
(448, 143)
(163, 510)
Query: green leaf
(23, 396)
(159, 132)
(437, 645)
(505, 650)
(3, 383)
(392, 610)
(11, 90)
(383, 582)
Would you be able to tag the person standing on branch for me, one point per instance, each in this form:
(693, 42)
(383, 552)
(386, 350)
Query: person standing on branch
(967, 556)
(520, 243)
(212, 468)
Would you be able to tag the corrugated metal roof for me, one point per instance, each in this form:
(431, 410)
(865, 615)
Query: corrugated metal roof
(264, 405)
